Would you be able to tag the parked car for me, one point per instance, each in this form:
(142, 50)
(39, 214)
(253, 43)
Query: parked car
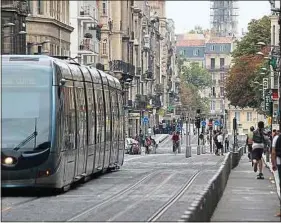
(132, 146)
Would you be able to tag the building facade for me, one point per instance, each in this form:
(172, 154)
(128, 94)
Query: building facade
(13, 26)
(217, 61)
(48, 28)
(85, 38)
(134, 35)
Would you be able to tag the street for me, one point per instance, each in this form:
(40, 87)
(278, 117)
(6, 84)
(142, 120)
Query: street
(156, 187)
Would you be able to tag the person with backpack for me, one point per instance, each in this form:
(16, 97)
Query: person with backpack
(259, 142)
(249, 142)
(276, 157)
(215, 137)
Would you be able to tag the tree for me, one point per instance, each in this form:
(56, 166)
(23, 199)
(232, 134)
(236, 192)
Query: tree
(258, 31)
(198, 29)
(196, 75)
(240, 89)
(193, 79)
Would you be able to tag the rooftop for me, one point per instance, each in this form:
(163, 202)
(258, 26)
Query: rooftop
(220, 40)
(191, 42)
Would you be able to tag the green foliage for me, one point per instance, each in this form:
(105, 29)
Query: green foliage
(196, 76)
(240, 88)
(198, 29)
(258, 31)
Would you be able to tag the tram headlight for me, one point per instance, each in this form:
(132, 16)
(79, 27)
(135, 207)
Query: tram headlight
(8, 161)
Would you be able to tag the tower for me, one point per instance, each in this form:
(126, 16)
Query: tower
(224, 17)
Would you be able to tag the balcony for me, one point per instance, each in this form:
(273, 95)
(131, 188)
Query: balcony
(87, 12)
(217, 68)
(141, 101)
(159, 89)
(138, 72)
(119, 66)
(87, 45)
(156, 101)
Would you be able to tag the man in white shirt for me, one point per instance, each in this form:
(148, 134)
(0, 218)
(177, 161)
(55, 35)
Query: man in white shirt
(275, 160)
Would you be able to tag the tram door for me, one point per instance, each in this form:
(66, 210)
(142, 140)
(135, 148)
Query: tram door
(81, 128)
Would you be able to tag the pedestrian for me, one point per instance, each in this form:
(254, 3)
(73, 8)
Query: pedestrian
(276, 157)
(249, 143)
(220, 143)
(259, 143)
(226, 142)
(149, 131)
(215, 138)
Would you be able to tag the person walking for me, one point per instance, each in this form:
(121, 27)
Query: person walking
(220, 143)
(249, 143)
(276, 157)
(259, 142)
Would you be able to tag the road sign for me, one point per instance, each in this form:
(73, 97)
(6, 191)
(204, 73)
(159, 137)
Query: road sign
(145, 119)
(203, 123)
(217, 123)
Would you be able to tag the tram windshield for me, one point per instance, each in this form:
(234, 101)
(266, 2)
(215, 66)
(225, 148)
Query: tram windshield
(26, 92)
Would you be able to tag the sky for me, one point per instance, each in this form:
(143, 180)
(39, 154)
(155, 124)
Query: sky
(187, 14)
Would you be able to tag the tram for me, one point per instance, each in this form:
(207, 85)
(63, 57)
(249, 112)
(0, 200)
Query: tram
(61, 122)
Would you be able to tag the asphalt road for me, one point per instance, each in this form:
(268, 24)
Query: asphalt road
(147, 188)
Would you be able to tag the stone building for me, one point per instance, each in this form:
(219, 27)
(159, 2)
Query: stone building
(85, 38)
(13, 26)
(48, 28)
(130, 49)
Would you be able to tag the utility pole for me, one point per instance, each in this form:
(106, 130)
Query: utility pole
(197, 124)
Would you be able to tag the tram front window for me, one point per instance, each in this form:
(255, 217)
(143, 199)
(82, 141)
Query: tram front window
(26, 95)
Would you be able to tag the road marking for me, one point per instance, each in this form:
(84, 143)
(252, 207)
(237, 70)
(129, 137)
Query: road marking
(6, 209)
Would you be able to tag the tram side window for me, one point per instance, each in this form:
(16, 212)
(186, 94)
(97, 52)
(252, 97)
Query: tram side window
(69, 116)
(91, 114)
(121, 115)
(108, 114)
(100, 109)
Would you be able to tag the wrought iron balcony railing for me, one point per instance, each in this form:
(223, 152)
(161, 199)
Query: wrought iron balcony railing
(122, 67)
(217, 68)
(87, 44)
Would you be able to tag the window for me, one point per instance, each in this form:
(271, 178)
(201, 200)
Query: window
(29, 5)
(237, 116)
(104, 47)
(222, 77)
(195, 52)
(213, 105)
(104, 7)
(222, 48)
(221, 104)
(249, 117)
(212, 48)
(221, 62)
(213, 63)
(39, 6)
(222, 91)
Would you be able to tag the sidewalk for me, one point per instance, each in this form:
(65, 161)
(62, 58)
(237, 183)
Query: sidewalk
(275, 175)
(247, 199)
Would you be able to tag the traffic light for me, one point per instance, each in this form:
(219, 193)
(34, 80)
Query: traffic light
(273, 63)
(98, 32)
(197, 122)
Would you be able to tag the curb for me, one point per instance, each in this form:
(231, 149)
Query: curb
(274, 173)
(202, 208)
(164, 138)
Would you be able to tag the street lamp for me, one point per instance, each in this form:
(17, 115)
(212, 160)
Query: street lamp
(20, 33)
(260, 53)
(9, 24)
(264, 69)
(261, 44)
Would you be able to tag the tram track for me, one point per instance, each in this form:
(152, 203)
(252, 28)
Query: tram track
(112, 198)
(19, 204)
(159, 213)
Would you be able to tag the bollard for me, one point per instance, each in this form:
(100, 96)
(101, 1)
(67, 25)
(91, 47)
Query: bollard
(198, 150)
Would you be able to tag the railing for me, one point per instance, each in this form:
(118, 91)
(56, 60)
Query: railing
(216, 68)
(159, 89)
(122, 67)
(87, 44)
(141, 101)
